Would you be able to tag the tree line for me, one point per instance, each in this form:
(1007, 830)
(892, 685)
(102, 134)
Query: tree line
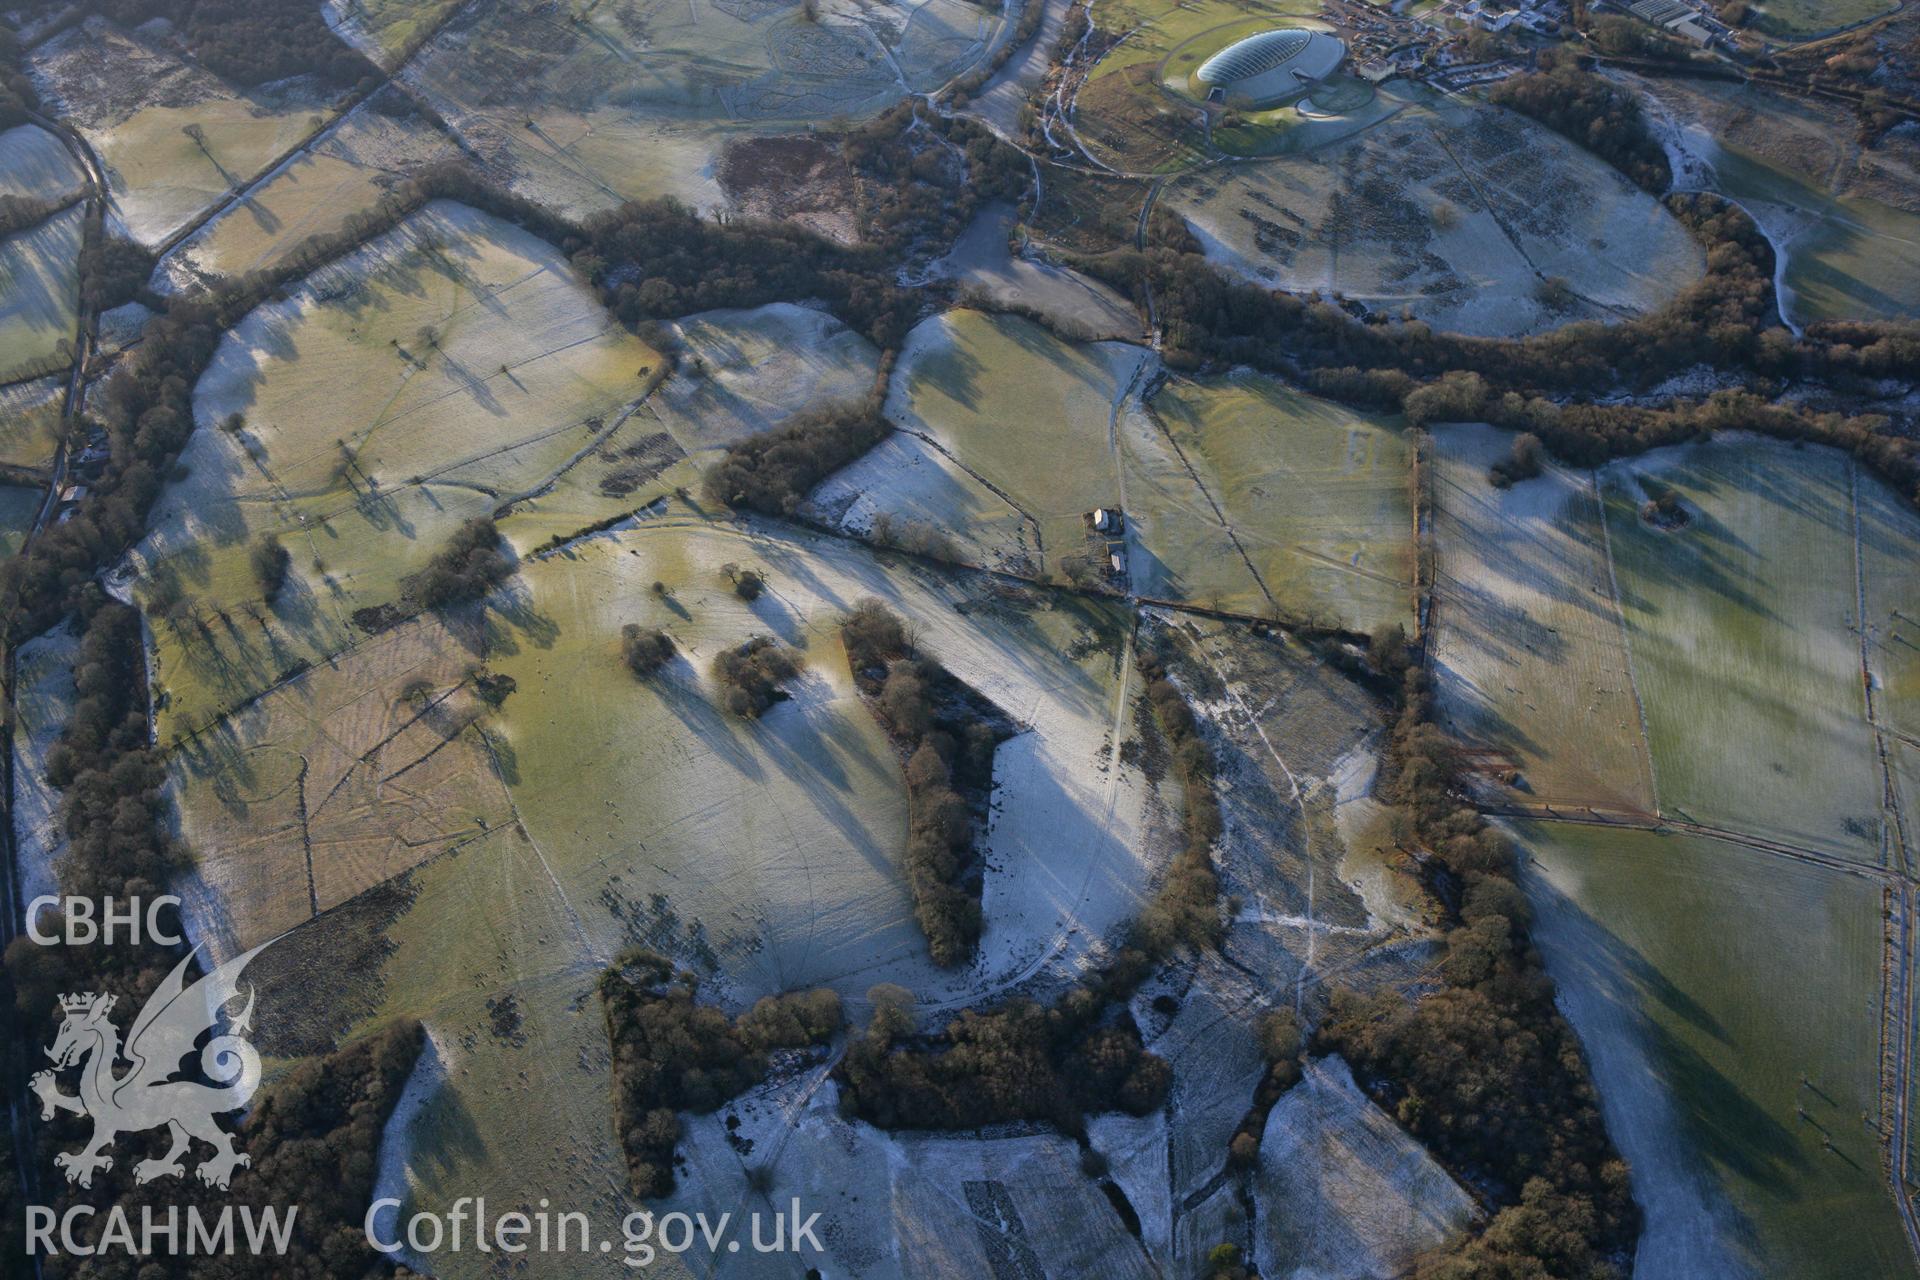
(1725, 321)
(1082, 1054)
(1484, 1070)
(947, 733)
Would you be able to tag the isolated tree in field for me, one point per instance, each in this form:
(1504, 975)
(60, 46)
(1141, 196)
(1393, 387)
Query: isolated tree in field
(1523, 461)
(748, 584)
(269, 561)
(645, 649)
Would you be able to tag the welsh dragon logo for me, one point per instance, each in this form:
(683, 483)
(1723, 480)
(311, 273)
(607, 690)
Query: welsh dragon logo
(151, 1092)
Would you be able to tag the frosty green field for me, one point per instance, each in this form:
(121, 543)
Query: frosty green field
(1740, 628)
(39, 296)
(1317, 498)
(1528, 642)
(1728, 1000)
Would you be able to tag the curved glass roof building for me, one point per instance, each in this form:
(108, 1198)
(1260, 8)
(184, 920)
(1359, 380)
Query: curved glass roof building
(1269, 67)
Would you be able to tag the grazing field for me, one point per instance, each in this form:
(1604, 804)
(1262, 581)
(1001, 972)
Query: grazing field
(30, 422)
(40, 296)
(372, 150)
(337, 781)
(1317, 497)
(36, 165)
(1741, 629)
(1124, 112)
(434, 375)
(1845, 218)
(598, 103)
(1456, 212)
(996, 392)
(173, 137)
(1237, 493)
(777, 840)
(1728, 1002)
(1342, 1189)
(1528, 647)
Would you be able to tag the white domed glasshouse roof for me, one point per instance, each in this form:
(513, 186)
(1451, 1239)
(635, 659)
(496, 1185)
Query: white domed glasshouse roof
(1270, 66)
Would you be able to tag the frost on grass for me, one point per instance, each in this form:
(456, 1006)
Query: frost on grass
(173, 137)
(1342, 1189)
(1454, 212)
(1529, 650)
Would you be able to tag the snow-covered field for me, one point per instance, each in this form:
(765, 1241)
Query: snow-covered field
(36, 165)
(1453, 211)
(1342, 1190)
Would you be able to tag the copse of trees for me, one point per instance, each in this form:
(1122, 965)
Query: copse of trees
(673, 1054)
(269, 562)
(1523, 462)
(1605, 118)
(773, 471)
(645, 649)
(468, 566)
(751, 674)
(946, 733)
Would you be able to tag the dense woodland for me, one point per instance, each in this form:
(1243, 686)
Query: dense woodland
(673, 1054)
(249, 42)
